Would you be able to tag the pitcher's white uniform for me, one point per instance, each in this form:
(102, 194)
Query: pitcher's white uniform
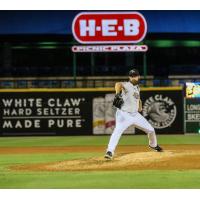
(129, 115)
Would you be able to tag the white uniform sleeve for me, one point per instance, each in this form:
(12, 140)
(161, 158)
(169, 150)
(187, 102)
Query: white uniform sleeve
(125, 85)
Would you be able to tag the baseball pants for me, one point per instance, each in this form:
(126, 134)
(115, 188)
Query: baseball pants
(123, 121)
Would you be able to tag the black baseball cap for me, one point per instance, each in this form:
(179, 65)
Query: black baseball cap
(134, 72)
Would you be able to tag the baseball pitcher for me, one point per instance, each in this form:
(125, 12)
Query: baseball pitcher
(128, 103)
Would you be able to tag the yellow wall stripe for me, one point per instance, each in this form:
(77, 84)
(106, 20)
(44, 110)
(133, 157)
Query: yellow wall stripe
(86, 89)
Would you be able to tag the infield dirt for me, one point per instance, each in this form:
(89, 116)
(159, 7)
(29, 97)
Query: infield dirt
(174, 157)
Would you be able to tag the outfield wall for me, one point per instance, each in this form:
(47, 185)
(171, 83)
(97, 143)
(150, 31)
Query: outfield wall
(84, 111)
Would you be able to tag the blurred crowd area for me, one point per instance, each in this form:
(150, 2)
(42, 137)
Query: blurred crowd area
(90, 82)
(46, 61)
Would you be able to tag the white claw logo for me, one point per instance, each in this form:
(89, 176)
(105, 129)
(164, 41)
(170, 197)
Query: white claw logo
(160, 111)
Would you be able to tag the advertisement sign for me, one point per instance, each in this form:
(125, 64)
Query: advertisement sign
(111, 48)
(192, 115)
(193, 90)
(83, 112)
(52, 113)
(164, 110)
(109, 27)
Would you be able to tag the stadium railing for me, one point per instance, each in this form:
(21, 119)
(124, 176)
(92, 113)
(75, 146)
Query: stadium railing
(90, 82)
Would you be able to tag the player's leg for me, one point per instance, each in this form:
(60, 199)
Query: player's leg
(123, 121)
(141, 123)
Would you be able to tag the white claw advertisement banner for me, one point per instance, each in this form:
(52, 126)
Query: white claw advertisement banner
(83, 112)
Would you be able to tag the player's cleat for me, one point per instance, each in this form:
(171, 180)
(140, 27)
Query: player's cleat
(108, 155)
(157, 148)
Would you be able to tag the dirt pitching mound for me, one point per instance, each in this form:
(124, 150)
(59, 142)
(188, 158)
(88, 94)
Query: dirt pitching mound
(170, 159)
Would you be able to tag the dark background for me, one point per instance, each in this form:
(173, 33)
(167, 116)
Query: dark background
(38, 43)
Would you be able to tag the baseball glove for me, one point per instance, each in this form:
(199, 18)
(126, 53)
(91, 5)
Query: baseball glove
(118, 101)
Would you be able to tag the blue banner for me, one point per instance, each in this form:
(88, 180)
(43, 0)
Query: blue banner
(59, 22)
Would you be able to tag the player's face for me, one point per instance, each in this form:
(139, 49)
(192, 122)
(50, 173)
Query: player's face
(134, 79)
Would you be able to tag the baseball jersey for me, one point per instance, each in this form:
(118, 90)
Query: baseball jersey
(131, 97)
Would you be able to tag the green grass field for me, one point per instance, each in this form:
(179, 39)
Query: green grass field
(101, 179)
